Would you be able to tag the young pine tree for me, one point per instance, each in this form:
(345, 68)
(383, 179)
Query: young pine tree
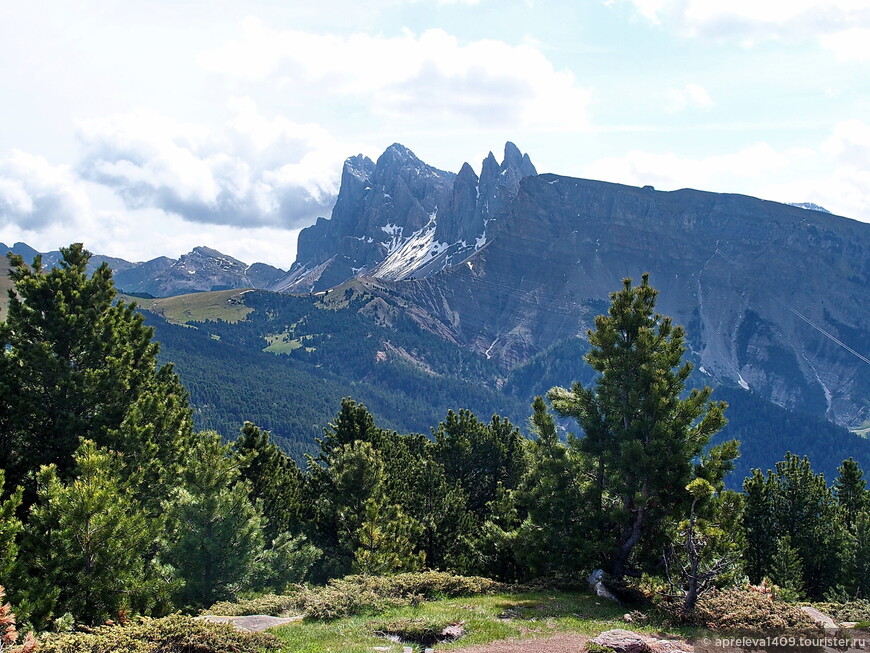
(215, 533)
(557, 493)
(639, 432)
(793, 501)
(787, 570)
(861, 561)
(88, 541)
(10, 528)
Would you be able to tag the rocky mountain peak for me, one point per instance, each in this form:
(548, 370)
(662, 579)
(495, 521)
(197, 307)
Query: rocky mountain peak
(398, 155)
(400, 217)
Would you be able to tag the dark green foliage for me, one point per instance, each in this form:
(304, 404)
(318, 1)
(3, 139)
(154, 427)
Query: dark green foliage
(215, 533)
(793, 501)
(479, 457)
(861, 561)
(639, 432)
(84, 541)
(851, 491)
(557, 492)
(77, 364)
(787, 569)
(173, 634)
(274, 479)
(10, 527)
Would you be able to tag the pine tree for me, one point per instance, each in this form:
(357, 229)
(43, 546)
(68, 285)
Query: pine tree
(274, 478)
(759, 521)
(85, 541)
(793, 501)
(216, 533)
(385, 541)
(787, 569)
(76, 363)
(479, 456)
(639, 432)
(861, 565)
(10, 527)
(557, 492)
(851, 491)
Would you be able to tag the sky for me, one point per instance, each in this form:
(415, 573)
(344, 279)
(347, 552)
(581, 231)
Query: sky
(147, 128)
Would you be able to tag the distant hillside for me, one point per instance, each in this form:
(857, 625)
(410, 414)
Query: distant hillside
(202, 269)
(285, 361)
(289, 361)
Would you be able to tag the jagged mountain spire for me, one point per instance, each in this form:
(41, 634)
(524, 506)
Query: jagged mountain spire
(400, 218)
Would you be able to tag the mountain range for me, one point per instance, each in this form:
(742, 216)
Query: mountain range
(512, 266)
(510, 263)
(202, 269)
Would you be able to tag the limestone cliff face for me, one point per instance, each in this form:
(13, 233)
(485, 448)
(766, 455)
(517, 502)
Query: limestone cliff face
(400, 218)
(773, 296)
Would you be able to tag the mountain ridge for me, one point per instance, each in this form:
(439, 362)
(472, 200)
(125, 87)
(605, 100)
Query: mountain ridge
(769, 293)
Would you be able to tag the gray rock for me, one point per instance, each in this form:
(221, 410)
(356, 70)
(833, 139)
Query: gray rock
(596, 584)
(819, 617)
(251, 623)
(626, 641)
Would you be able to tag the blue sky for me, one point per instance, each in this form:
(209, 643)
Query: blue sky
(146, 128)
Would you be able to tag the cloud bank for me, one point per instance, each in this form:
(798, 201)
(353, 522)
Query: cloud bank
(427, 77)
(35, 194)
(260, 172)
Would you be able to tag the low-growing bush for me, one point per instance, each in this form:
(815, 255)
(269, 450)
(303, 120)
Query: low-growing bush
(857, 610)
(362, 595)
(276, 605)
(425, 632)
(173, 634)
(748, 610)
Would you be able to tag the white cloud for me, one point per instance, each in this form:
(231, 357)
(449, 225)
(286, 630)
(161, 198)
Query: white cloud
(834, 174)
(35, 194)
(754, 20)
(259, 172)
(689, 96)
(849, 45)
(431, 76)
(670, 171)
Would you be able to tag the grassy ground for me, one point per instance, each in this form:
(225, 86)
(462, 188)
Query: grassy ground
(282, 343)
(486, 619)
(226, 305)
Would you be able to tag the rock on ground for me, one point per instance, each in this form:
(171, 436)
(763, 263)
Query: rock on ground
(251, 623)
(626, 641)
(819, 617)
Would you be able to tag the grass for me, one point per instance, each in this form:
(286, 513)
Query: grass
(486, 619)
(226, 305)
(282, 343)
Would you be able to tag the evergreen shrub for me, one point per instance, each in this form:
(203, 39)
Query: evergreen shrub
(361, 595)
(743, 609)
(173, 634)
